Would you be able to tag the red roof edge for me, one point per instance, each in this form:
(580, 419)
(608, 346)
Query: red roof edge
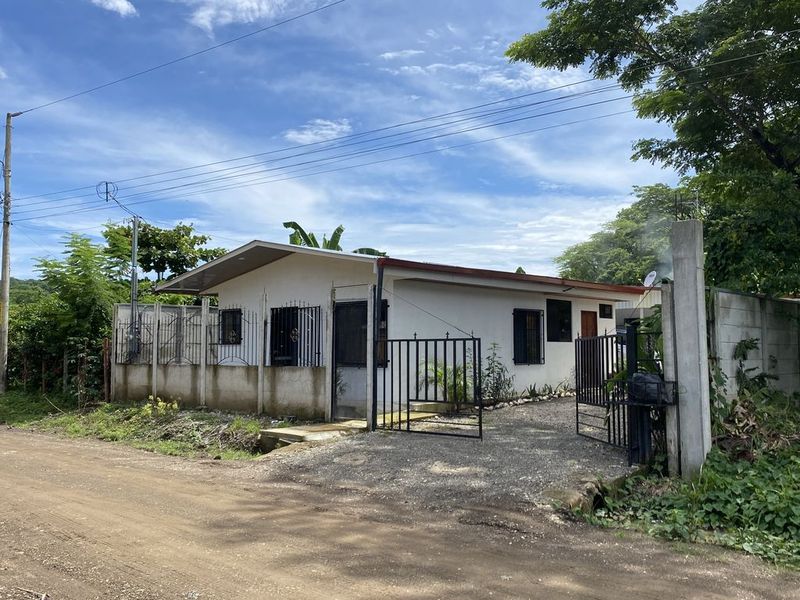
(387, 261)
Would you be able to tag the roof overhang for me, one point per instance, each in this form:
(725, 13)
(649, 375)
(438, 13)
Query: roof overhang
(242, 260)
(422, 271)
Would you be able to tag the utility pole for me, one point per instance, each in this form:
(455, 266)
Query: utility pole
(5, 270)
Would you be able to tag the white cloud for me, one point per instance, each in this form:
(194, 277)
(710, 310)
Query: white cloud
(527, 78)
(124, 8)
(400, 54)
(3, 74)
(208, 14)
(318, 130)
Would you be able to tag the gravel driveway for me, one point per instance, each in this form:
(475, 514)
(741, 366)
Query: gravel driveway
(526, 451)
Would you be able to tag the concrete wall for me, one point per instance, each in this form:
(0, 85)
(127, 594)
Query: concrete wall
(298, 391)
(487, 314)
(774, 323)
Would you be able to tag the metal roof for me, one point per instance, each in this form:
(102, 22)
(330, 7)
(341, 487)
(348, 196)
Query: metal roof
(259, 253)
(243, 260)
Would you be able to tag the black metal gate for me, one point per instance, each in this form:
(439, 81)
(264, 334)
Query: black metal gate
(618, 405)
(430, 386)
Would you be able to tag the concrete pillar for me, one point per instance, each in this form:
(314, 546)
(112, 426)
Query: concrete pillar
(670, 376)
(330, 366)
(261, 350)
(370, 350)
(689, 297)
(156, 341)
(114, 359)
(203, 348)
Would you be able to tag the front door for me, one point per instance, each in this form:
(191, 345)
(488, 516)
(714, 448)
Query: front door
(588, 323)
(349, 360)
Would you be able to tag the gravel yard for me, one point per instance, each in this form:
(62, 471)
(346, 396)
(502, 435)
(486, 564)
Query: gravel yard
(526, 451)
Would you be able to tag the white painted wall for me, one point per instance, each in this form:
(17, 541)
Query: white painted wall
(488, 314)
(298, 277)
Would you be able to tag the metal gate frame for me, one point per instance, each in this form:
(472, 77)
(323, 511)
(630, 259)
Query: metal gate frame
(604, 407)
(430, 386)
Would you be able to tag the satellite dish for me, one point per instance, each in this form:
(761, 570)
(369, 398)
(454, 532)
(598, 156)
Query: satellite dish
(650, 279)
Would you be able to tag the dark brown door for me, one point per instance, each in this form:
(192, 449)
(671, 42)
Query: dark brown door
(588, 323)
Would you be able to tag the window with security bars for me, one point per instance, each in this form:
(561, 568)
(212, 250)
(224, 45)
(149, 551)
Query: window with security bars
(296, 336)
(230, 326)
(528, 337)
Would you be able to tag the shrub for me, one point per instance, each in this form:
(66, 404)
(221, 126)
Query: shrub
(497, 384)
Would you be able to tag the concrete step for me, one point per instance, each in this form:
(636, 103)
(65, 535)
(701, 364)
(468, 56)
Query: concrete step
(435, 407)
(310, 433)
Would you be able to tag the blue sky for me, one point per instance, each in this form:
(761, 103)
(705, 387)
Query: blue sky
(358, 66)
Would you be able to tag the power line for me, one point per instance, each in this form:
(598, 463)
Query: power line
(305, 165)
(345, 156)
(185, 57)
(383, 161)
(332, 142)
(557, 100)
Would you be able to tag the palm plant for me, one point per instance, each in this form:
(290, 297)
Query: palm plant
(301, 237)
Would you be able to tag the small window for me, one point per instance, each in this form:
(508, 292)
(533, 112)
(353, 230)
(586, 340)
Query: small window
(559, 321)
(230, 326)
(606, 311)
(528, 338)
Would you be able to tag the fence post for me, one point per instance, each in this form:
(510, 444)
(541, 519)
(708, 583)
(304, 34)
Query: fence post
(156, 327)
(371, 353)
(329, 358)
(261, 331)
(689, 297)
(106, 369)
(203, 347)
(670, 375)
(64, 374)
(113, 355)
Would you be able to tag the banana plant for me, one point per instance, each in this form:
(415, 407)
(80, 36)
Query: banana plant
(300, 237)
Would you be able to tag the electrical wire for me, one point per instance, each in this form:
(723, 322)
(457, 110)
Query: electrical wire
(341, 157)
(387, 160)
(416, 121)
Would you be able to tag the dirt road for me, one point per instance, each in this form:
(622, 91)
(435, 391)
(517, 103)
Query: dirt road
(83, 520)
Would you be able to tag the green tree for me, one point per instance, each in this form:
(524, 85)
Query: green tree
(725, 78)
(26, 291)
(631, 245)
(161, 251)
(300, 237)
(71, 317)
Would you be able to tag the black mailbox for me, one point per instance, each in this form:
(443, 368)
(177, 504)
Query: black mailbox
(648, 388)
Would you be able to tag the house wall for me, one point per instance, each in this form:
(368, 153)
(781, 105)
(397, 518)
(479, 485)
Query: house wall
(487, 314)
(298, 277)
(774, 323)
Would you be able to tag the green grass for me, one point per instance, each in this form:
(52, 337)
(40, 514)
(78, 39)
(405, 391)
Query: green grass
(153, 426)
(18, 408)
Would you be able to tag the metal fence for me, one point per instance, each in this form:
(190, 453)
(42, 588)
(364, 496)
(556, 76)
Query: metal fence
(294, 335)
(430, 386)
(233, 336)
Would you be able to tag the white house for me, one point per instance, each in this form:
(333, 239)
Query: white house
(295, 331)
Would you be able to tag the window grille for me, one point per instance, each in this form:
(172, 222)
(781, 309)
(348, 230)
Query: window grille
(528, 338)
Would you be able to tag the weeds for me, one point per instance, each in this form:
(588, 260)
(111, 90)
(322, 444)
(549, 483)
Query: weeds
(156, 425)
